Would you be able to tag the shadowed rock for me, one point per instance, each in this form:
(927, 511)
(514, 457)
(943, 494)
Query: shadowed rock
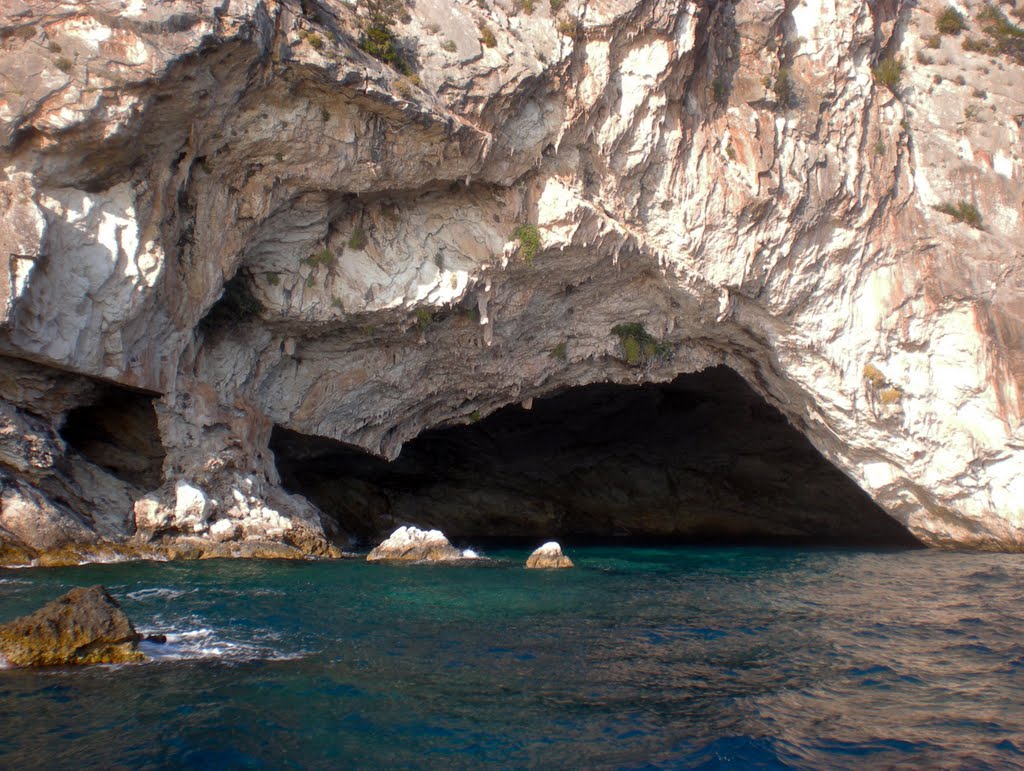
(413, 544)
(85, 626)
(549, 556)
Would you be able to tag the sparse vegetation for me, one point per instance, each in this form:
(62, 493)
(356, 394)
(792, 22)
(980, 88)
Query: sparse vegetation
(890, 396)
(924, 58)
(358, 239)
(273, 278)
(475, 416)
(719, 90)
(424, 318)
(965, 212)
(556, 5)
(528, 7)
(888, 72)
(449, 46)
(559, 351)
(487, 36)
(529, 240)
(933, 41)
(879, 147)
(337, 303)
(875, 377)
(323, 257)
(54, 47)
(975, 45)
(63, 63)
(379, 41)
(567, 27)
(1007, 38)
(315, 41)
(950, 21)
(639, 346)
(785, 92)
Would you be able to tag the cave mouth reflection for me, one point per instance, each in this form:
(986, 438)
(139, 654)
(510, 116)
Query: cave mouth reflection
(702, 459)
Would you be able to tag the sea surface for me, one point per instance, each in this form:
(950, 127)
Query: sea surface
(638, 658)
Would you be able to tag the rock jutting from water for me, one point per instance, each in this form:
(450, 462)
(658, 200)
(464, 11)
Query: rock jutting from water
(85, 626)
(549, 556)
(221, 219)
(415, 545)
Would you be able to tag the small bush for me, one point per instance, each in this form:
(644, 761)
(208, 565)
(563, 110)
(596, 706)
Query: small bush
(890, 396)
(879, 147)
(975, 45)
(785, 92)
(933, 41)
(487, 37)
(1007, 37)
(273, 278)
(528, 7)
(567, 27)
(874, 376)
(529, 240)
(950, 21)
(559, 351)
(324, 257)
(358, 239)
(924, 58)
(965, 212)
(888, 72)
(719, 90)
(639, 346)
(449, 46)
(54, 48)
(63, 63)
(556, 5)
(379, 41)
(424, 318)
(315, 41)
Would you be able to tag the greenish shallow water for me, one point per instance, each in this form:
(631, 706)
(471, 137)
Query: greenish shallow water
(683, 657)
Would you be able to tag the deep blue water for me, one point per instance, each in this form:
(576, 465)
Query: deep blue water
(639, 658)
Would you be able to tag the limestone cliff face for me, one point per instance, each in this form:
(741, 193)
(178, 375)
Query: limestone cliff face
(237, 211)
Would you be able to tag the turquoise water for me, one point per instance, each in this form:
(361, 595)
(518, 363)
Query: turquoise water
(639, 658)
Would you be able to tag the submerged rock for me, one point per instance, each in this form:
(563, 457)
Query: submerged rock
(549, 556)
(411, 543)
(85, 626)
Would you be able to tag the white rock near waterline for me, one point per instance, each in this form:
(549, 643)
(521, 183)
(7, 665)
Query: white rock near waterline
(413, 544)
(549, 556)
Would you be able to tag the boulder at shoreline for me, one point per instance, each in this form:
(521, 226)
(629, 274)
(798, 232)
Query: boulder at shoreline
(85, 626)
(415, 545)
(549, 556)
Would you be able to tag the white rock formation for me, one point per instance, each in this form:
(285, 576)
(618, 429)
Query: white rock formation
(413, 544)
(548, 556)
(236, 210)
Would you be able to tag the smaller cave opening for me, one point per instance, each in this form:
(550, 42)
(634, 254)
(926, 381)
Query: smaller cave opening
(119, 433)
(703, 459)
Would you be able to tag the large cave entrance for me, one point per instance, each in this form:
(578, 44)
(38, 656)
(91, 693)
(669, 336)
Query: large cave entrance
(701, 459)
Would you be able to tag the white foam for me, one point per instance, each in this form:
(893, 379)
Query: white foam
(206, 643)
(158, 593)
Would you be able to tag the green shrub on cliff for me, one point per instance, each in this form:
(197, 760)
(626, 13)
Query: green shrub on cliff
(639, 346)
(528, 237)
(950, 21)
(888, 72)
(965, 212)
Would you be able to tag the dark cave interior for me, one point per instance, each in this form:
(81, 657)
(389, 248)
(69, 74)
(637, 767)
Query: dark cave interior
(119, 433)
(702, 459)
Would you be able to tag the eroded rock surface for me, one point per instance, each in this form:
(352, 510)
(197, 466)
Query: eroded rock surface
(411, 544)
(548, 555)
(85, 626)
(236, 212)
